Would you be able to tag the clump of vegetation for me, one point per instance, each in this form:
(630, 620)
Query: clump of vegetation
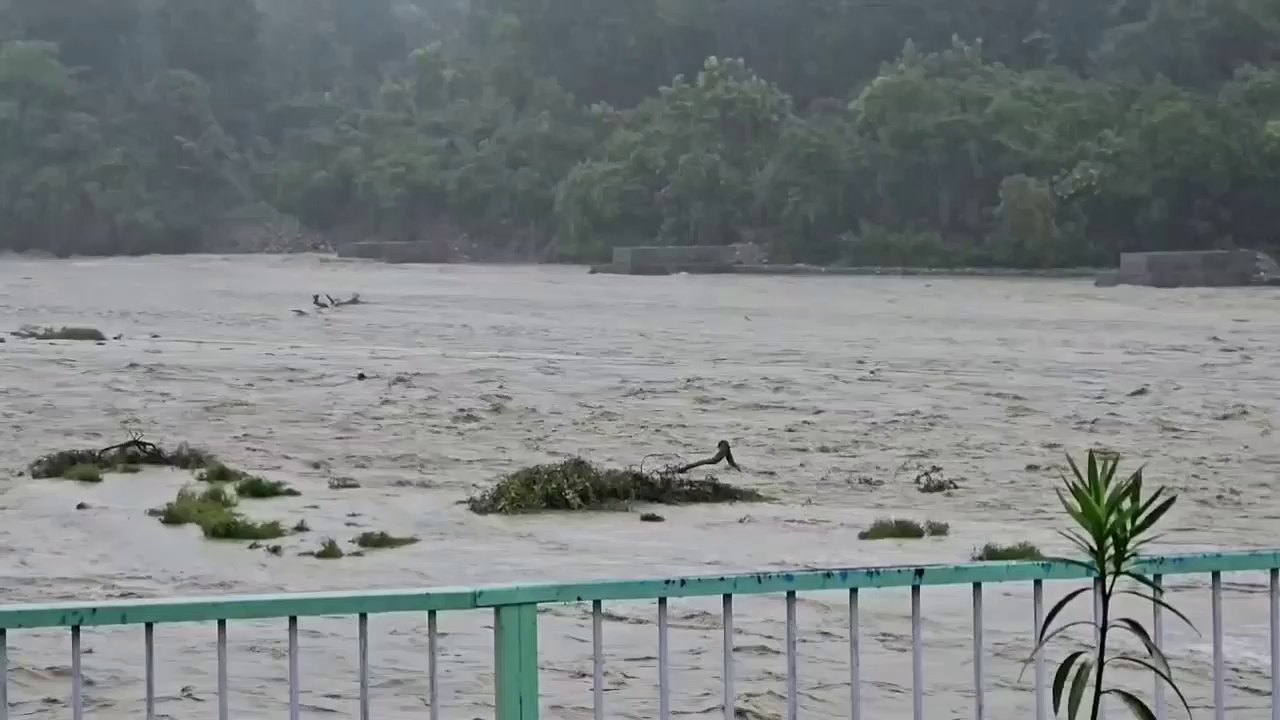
(576, 484)
(933, 480)
(217, 472)
(246, 484)
(32, 332)
(213, 511)
(302, 527)
(84, 472)
(261, 489)
(131, 453)
(234, 526)
(903, 529)
(1018, 551)
(370, 540)
(329, 550)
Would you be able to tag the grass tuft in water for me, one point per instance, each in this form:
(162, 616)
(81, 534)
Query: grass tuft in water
(212, 509)
(1017, 551)
(903, 529)
(260, 489)
(246, 484)
(84, 472)
(370, 540)
(576, 484)
(329, 550)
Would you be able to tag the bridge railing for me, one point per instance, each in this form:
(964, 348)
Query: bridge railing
(516, 614)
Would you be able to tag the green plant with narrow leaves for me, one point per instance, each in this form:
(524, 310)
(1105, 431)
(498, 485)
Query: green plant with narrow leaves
(1114, 522)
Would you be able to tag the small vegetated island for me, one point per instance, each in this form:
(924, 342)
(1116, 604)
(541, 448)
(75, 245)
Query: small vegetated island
(576, 484)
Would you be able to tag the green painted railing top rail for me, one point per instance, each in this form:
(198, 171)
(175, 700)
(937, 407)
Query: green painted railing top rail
(516, 624)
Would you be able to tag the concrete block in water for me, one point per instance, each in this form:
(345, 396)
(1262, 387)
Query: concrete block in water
(396, 251)
(661, 260)
(1200, 268)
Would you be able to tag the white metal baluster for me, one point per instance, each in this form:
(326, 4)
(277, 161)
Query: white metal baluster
(364, 665)
(1037, 611)
(77, 704)
(224, 700)
(1219, 689)
(4, 673)
(293, 668)
(917, 657)
(597, 658)
(664, 664)
(855, 659)
(433, 669)
(1275, 645)
(1157, 627)
(149, 635)
(730, 697)
(979, 697)
(793, 694)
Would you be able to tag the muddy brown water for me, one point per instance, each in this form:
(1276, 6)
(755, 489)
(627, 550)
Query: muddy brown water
(827, 387)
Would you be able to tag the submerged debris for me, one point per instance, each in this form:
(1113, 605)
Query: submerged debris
(369, 540)
(33, 332)
(576, 484)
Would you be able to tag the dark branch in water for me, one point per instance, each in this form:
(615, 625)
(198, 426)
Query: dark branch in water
(333, 302)
(724, 453)
(147, 450)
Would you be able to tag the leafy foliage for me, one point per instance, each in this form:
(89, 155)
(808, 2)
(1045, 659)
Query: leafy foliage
(868, 133)
(1113, 520)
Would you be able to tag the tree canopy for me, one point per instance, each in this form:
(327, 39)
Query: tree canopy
(889, 132)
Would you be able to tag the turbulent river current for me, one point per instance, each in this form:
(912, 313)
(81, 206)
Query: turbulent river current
(833, 392)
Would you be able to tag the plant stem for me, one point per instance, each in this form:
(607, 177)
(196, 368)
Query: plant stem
(1103, 620)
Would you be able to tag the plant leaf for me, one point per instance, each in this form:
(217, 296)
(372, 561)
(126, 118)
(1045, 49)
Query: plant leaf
(1154, 516)
(1163, 604)
(1058, 631)
(1153, 650)
(1078, 687)
(1057, 608)
(1060, 678)
(1168, 680)
(1135, 704)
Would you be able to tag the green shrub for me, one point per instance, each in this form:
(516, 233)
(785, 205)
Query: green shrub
(329, 550)
(1017, 551)
(903, 529)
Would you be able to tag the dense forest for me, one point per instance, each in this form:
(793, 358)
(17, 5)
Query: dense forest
(1022, 133)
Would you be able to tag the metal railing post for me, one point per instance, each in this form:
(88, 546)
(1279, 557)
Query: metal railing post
(515, 662)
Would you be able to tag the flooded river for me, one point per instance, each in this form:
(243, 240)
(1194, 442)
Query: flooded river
(832, 391)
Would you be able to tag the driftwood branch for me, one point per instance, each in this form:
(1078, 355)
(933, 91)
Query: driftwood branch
(723, 453)
(332, 302)
(135, 441)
